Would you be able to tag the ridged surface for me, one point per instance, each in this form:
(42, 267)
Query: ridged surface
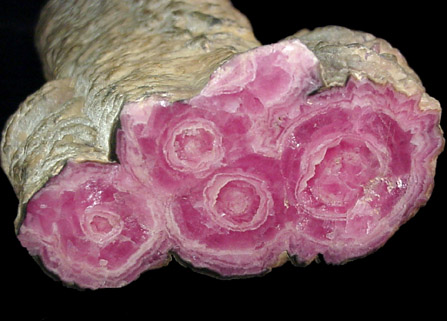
(99, 54)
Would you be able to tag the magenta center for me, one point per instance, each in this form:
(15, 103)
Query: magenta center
(237, 201)
(339, 178)
(100, 225)
(192, 143)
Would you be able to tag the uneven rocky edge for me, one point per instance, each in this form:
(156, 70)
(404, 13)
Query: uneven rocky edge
(165, 129)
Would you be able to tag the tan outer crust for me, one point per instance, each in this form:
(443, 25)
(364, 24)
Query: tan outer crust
(96, 56)
(344, 53)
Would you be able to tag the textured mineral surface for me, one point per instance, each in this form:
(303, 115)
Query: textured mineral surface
(191, 140)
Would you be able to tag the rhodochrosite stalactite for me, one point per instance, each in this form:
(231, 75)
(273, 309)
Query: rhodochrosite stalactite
(93, 226)
(192, 140)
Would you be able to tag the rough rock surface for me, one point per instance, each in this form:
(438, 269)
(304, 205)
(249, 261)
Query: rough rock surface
(98, 54)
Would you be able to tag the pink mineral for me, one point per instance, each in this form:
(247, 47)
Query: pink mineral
(92, 227)
(264, 164)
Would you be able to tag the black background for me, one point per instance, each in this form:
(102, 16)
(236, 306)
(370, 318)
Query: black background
(407, 274)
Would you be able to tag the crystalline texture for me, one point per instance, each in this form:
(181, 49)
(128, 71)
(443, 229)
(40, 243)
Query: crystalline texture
(92, 226)
(263, 162)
